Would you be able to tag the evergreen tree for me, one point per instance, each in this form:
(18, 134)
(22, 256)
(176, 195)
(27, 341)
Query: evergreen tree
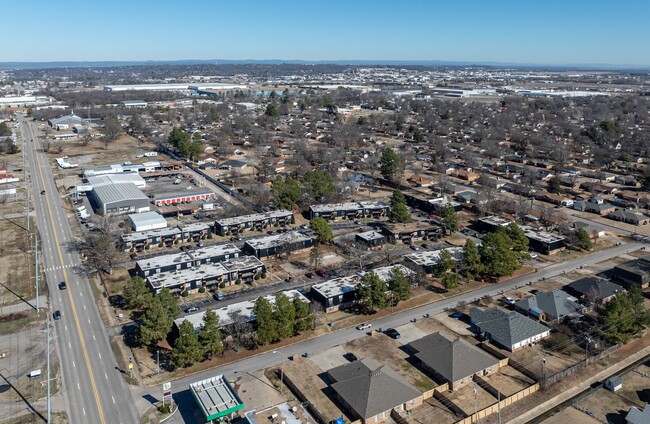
(373, 292)
(155, 325)
(169, 302)
(286, 192)
(446, 262)
(399, 286)
(554, 185)
(210, 335)
(187, 350)
(304, 316)
(136, 293)
(391, 165)
(450, 219)
(518, 239)
(584, 242)
(272, 110)
(284, 314)
(623, 316)
(497, 256)
(450, 280)
(398, 210)
(471, 259)
(322, 229)
(318, 183)
(267, 329)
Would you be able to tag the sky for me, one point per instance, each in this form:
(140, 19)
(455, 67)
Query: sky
(524, 31)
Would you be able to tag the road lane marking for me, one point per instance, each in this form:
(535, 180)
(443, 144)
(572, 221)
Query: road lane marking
(106, 375)
(84, 307)
(84, 410)
(72, 305)
(113, 399)
(100, 355)
(73, 365)
(94, 337)
(78, 386)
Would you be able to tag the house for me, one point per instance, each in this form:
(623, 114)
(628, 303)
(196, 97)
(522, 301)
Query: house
(594, 290)
(634, 273)
(420, 180)
(412, 231)
(556, 199)
(597, 208)
(233, 165)
(452, 360)
(370, 391)
(549, 306)
(638, 416)
(630, 217)
(627, 180)
(509, 329)
(465, 174)
(371, 239)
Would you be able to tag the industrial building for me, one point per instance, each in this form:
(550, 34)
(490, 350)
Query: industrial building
(276, 244)
(66, 122)
(353, 210)
(175, 87)
(147, 221)
(112, 198)
(258, 221)
(118, 169)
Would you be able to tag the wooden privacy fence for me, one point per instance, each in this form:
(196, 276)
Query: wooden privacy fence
(494, 408)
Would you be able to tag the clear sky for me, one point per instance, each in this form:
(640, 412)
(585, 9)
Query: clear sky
(522, 31)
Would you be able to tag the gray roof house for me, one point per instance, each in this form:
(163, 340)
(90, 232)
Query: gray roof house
(638, 416)
(453, 359)
(370, 391)
(509, 329)
(549, 306)
(594, 290)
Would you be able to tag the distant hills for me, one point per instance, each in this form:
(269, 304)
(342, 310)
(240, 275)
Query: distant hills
(432, 63)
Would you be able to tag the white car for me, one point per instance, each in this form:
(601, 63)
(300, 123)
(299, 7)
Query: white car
(509, 301)
(364, 326)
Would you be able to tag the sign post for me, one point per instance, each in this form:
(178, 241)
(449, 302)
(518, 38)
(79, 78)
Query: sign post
(167, 391)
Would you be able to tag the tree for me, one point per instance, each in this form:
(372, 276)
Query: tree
(315, 256)
(446, 262)
(187, 349)
(518, 239)
(399, 286)
(155, 325)
(272, 110)
(584, 242)
(471, 260)
(623, 316)
(178, 136)
(210, 335)
(267, 328)
(497, 256)
(168, 302)
(5, 131)
(554, 185)
(286, 192)
(239, 329)
(373, 292)
(112, 130)
(303, 317)
(322, 229)
(391, 165)
(318, 183)
(450, 219)
(284, 315)
(136, 293)
(398, 210)
(135, 124)
(450, 280)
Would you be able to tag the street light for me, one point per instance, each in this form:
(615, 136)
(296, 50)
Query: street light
(281, 368)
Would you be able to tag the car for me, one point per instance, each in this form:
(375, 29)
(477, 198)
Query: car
(364, 326)
(457, 315)
(351, 357)
(42, 191)
(321, 273)
(218, 296)
(56, 315)
(200, 244)
(310, 275)
(425, 245)
(191, 309)
(533, 255)
(134, 255)
(63, 285)
(509, 300)
(391, 332)
(414, 247)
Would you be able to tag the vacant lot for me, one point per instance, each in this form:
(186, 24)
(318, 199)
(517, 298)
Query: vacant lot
(571, 415)
(432, 411)
(605, 406)
(15, 262)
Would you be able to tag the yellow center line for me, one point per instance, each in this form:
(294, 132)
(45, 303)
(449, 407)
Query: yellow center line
(65, 278)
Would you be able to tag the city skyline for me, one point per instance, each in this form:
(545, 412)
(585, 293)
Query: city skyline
(554, 33)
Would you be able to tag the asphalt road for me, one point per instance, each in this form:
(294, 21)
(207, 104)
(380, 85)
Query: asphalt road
(319, 344)
(93, 387)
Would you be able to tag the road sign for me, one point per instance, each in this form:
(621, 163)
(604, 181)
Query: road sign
(167, 386)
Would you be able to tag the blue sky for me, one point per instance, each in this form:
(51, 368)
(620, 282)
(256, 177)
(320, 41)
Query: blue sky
(523, 31)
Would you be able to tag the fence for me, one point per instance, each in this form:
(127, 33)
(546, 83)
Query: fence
(309, 406)
(226, 189)
(496, 407)
(547, 382)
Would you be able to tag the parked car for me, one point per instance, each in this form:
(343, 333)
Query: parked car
(42, 191)
(63, 285)
(414, 247)
(457, 315)
(134, 255)
(351, 357)
(56, 315)
(391, 332)
(191, 310)
(509, 300)
(364, 326)
(310, 275)
(218, 296)
(321, 273)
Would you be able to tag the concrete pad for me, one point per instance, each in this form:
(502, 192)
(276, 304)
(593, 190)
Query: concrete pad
(330, 358)
(257, 392)
(409, 332)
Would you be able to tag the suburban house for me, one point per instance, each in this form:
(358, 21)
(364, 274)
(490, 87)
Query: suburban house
(594, 290)
(233, 164)
(597, 208)
(549, 306)
(634, 273)
(420, 180)
(371, 239)
(370, 392)
(638, 416)
(257, 221)
(629, 217)
(452, 360)
(412, 231)
(509, 329)
(275, 244)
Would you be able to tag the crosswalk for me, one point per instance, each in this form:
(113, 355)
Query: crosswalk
(60, 267)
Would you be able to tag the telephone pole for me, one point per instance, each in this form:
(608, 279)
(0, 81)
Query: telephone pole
(36, 268)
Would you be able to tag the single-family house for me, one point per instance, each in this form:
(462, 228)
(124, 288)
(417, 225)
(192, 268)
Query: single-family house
(509, 329)
(549, 306)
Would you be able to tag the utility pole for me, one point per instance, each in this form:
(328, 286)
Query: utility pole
(499, 404)
(36, 266)
(475, 398)
(49, 392)
(587, 341)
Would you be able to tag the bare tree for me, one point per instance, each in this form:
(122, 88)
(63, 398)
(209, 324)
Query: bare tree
(239, 331)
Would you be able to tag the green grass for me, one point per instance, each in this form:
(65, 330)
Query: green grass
(423, 384)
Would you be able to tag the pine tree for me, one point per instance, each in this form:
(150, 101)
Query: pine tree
(471, 260)
(449, 219)
(286, 192)
(399, 286)
(497, 256)
(304, 316)
(445, 263)
(156, 323)
(267, 330)
(136, 293)
(170, 303)
(518, 239)
(187, 350)
(284, 314)
(398, 210)
(322, 229)
(373, 292)
(391, 165)
(584, 242)
(450, 280)
(210, 335)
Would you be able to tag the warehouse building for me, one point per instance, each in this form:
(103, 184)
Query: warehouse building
(118, 198)
(353, 210)
(277, 244)
(258, 221)
(185, 197)
(147, 221)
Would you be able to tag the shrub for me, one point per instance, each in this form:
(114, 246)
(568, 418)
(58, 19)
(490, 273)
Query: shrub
(210, 236)
(185, 293)
(201, 289)
(164, 409)
(176, 241)
(222, 285)
(147, 247)
(264, 275)
(257, 277)
(238, 281)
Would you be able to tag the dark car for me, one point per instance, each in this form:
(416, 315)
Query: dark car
(42, 191)
(218, 296)
(321, 273)
(457, 315)
(62, 285)
(391, 332)
(350, 357)
(309, 275)
(134, 255)
(56, 315)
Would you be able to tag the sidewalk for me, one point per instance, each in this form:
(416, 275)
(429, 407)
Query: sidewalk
(23, 306)
(551, 403)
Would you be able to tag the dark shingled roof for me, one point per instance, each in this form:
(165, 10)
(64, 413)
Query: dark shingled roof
(595, 287)
(369, 388)
(506, 327)
(452, 359)
(555, 303)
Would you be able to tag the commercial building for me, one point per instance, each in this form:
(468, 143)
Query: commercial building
(276, 244)
(118, 169)
(354, 210)
(369, 391)
(133, 103)
(258, 221)
(509, 329)
(118, 198)
(184, 197)
(412, 231)
(188, 259)
(66, 122)
(427, 260)
(147, 221)
(453, 360)
(216, 398)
